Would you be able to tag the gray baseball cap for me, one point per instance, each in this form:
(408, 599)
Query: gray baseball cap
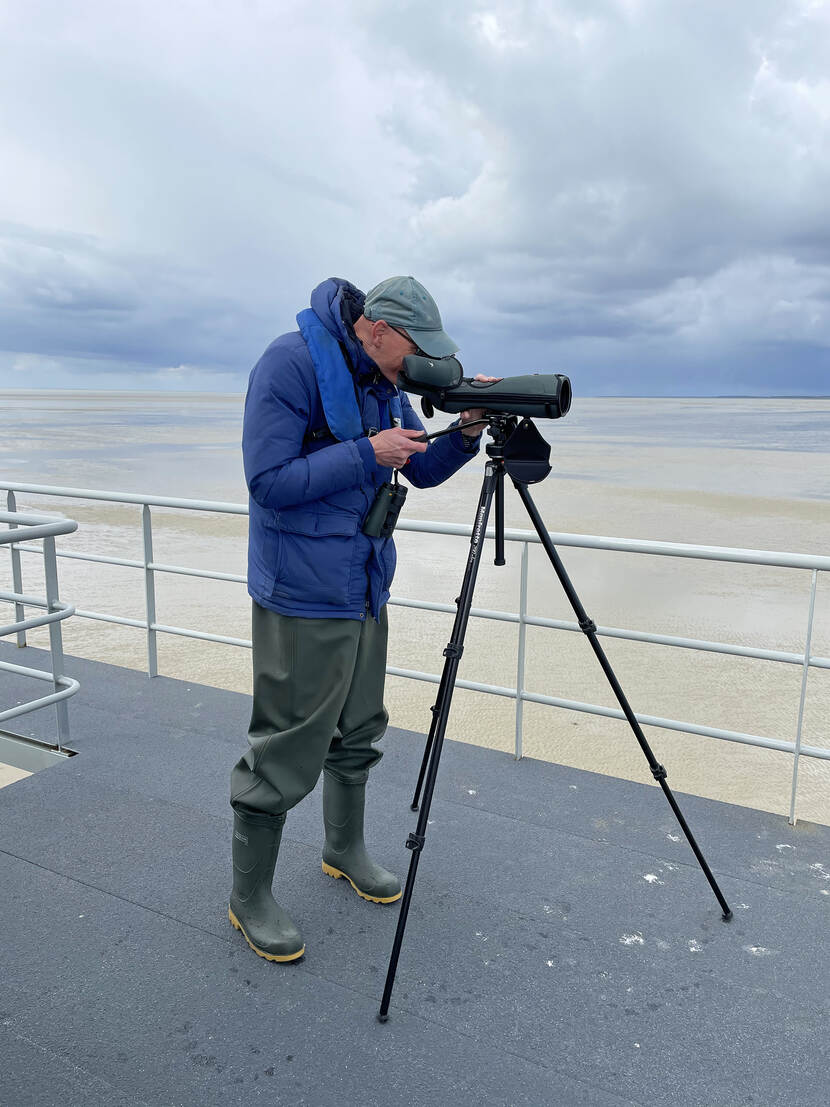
(404, 302)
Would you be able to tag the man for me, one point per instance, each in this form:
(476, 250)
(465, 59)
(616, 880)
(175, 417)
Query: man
(324, 428)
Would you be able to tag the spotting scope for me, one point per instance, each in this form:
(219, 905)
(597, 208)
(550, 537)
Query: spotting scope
(441, 384)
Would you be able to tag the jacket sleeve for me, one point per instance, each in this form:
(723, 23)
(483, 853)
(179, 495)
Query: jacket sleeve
(443, 457)
(278, 411)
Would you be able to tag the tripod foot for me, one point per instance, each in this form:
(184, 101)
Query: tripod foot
(727, 916)
(383, 1018)
(413, 807)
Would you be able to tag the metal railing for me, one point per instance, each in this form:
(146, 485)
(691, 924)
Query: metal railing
(814, 564)
(28, 527)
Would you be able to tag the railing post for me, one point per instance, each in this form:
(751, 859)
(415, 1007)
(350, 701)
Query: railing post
(50, 569)
(17, 574)
(520, 668)
(149, 593)
(805, 672)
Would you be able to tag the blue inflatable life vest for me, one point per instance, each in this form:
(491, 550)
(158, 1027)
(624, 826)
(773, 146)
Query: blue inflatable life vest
(335, 380)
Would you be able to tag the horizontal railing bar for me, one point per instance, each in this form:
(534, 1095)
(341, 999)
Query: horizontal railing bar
(469, 685)
(234, 578)
(204, 636)
(686, 728)
(124, 562)
(27, 601)
(628, 635)
(120, 620)
(634, 545)
(127, 498)
(612, 713)
(37, 674)
(182, 632)
(72, 555)
(29, 518)
(450, 609)
(686, 643)
(583, 541)
(672, 640)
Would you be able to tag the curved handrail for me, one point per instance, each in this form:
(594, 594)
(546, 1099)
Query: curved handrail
(29, 526)
(34, 526)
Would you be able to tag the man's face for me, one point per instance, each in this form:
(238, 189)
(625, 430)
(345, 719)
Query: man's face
(388, 346)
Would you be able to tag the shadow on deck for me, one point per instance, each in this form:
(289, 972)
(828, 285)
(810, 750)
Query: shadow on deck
(563, 946)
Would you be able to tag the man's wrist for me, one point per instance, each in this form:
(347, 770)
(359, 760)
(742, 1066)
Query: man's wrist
(469, 443)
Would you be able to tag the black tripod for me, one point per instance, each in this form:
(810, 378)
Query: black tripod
(523, 454)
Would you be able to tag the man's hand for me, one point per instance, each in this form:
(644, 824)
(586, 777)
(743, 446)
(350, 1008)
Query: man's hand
(394, 446)
(475, 413)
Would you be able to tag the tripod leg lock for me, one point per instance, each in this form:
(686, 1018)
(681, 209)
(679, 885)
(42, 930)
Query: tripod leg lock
(453, 650)
(415, 841)
(587, 625)
(659, 773)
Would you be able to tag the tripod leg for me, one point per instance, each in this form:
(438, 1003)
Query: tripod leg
(499, 560)
(440, 714)
(589, 629)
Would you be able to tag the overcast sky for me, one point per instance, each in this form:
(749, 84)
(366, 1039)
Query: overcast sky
(634, 192)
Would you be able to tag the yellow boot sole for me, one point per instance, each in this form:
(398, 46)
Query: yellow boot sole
(237, 925)
(330, 870)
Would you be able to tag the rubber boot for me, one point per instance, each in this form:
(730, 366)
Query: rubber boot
(344, 853)
(252, 909)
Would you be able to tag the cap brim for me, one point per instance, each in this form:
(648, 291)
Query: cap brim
(437, 344)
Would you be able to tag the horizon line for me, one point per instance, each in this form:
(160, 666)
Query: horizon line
(585, 395)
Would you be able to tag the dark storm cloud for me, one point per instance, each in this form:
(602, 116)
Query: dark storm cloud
(651, 171)
(632, 191)
(66, 296)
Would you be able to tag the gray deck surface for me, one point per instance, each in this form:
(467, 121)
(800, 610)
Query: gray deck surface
(540, 966)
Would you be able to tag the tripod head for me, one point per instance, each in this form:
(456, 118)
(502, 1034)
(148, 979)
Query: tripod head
(500, 427)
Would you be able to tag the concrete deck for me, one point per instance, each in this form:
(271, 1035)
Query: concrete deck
(563, 946)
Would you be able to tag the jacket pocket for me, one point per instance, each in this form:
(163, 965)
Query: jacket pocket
(314, 523)
(316, 556)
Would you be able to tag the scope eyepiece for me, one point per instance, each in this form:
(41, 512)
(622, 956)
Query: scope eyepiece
(441, 381)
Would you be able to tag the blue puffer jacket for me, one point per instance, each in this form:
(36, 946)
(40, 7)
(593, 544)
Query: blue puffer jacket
(309, 491)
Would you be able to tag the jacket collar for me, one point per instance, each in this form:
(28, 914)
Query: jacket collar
(338, 303)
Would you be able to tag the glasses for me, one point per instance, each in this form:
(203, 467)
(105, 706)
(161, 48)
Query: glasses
(403, 334)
